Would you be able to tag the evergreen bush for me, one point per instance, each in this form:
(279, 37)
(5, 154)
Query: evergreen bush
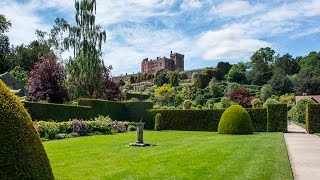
(22, 155)
(235, 120)
(157, 124)
(298, 112)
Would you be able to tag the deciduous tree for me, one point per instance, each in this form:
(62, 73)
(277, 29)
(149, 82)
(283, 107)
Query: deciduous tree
(46, 81)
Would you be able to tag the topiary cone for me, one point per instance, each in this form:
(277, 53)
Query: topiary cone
(22, 155)
(235, 120)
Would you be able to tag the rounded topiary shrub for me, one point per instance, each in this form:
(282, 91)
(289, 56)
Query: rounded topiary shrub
(235, 120)
(22, 155)
(157, 123)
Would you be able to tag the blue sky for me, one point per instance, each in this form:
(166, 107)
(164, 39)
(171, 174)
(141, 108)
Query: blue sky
(206, 31)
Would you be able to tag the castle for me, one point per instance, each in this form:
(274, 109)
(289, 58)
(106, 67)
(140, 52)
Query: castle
(176, 62)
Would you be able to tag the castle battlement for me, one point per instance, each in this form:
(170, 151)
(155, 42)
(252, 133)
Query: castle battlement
(176, 62)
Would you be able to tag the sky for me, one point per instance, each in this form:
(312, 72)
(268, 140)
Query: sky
(205, 31)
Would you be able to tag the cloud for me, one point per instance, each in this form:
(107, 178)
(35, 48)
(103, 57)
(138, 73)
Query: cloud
(236, 8)
(132, 11)
(132, 44)
(191, 4)
(228, 44)
(24, 21)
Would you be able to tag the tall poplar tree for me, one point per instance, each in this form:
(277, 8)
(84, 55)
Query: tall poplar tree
(85, 38)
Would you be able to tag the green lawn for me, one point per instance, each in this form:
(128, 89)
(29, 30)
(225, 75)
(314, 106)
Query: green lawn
(175, 155)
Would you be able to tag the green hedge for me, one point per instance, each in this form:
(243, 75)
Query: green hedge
(141, 97)
(313, 118)
(259, 118)
(132, 111)
(87, 109)
(200, 120)
(58, 112)
(277, 118)
(188, 120)
(113, 109)
(136, 110)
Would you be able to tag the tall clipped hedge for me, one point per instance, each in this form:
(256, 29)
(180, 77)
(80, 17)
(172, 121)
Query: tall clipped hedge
(58, 112)
(22, 155)
(132, 111)
(277, 118)
(116, 110)
(137, 96)
(89, 108)
(136, 110)
(200, 120)
(188, 120)
(259, 118)
(313, 118)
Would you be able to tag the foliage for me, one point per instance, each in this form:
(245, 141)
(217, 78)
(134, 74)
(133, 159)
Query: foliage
(287, 64)
(22, 153)
(277, 118)
(270, 101)
(266, 92)
(225, 102)
(58, 112)
(288, 99)
(111, 89)
(140, 97)
(132, 80)
(280, 83)
(312, 118)
(214, 88)
(100, 124)
(235, 120)
(256, 103)
(4, 44)
(86, 39)
(241, 96)
(200, 80)
(131, 128)
(261, 71)
(20, 75)
(183, 75)
(133, 111)
(308, 78)
(298, 112)
(237, 74)
(26, 56)
(173, 78)
(161, 78)
(79, 126)
(157, 123)
(202, 119)
(259, 119)
(118, 126)
(187, 104)
(224, 67)
(200, 100)
(178, 99)
(46, 81)
(188, 120)
(165, 90)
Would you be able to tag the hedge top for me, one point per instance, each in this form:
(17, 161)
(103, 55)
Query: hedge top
(235, 120)
(22, 153)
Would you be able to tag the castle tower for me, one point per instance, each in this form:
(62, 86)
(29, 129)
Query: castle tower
(178, 60)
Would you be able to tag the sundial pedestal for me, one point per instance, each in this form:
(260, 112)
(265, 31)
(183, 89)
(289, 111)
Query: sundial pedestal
(139, 142)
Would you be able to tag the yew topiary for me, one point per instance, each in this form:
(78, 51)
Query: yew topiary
(22, 155)
(157, 124)
(235, 120)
